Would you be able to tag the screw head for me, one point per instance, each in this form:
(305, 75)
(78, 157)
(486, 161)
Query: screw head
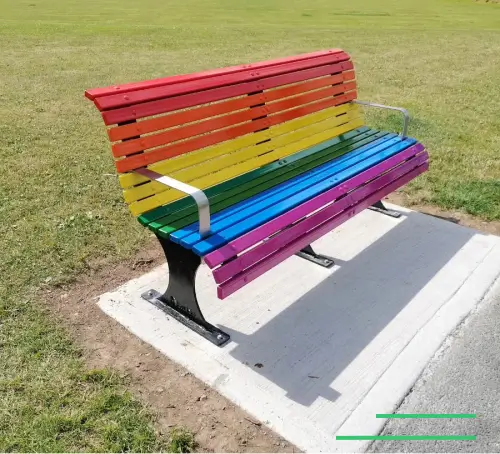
(150, 293)
(220, 336)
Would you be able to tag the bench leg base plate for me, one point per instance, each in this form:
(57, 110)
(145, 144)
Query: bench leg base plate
(179, 300)
(379, 207)
(206, 330)
(322, 260)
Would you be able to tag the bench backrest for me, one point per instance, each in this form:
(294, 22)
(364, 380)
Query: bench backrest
(212, 126)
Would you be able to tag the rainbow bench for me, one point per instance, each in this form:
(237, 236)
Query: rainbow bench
(262, 160)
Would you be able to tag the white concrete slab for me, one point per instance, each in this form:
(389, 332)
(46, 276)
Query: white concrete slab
(336, 346)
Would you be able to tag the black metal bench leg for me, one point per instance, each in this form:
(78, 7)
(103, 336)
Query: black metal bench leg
(381, 208)
(179, 300)
(321, 260)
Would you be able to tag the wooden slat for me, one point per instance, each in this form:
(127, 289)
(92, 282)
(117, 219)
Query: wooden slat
(188, 173)
(229, 251)
(264, 207)
(117, 101)
(212, 124)
(255, 143)
(223, 107)
(186, 132)
(150, 108)
(142, 160)
(185, 214)
(124, 88)
(210, 180)
(271, 245)
(259, 176)
(187, 160)
(232, 285)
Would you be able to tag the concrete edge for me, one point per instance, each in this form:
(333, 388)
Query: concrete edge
(414, 359)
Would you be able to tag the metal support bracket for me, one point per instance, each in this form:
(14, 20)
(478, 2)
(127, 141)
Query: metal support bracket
(406, 115)
(197, 194)
(379, 207)
(322, 260)
(179, 300)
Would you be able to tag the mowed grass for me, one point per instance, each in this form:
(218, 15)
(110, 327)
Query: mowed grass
(61, 209)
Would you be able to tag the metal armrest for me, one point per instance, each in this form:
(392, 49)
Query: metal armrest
(197, 194)
(405, 113)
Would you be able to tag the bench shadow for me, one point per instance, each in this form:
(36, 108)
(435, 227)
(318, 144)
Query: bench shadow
(306, 346)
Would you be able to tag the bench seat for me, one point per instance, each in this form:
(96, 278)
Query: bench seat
(250, 209)
(243, 167)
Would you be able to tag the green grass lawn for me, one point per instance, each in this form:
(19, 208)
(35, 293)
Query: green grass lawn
(60, 205)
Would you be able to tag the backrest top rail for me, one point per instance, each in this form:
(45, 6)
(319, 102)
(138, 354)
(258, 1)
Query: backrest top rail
(94, 93)
(111, 102)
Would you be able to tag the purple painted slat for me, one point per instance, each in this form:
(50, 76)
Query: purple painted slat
(260, 233)
(289, 235)
(231, 286)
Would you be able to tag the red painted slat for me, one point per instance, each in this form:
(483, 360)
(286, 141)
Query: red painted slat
(223, 107)
(124, 88)
(184, 132)
(194, 99)
(133, 146)
(151, 94)
(160, 154)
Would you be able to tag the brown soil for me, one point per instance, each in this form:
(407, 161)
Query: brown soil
(178, 398)
(173, 394)
(457, 217)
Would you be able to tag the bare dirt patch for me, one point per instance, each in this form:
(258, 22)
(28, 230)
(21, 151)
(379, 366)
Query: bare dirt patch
(457, 217)
(173, 394)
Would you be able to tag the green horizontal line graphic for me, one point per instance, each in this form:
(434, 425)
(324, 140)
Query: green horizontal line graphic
(405, 437)
(426, 415)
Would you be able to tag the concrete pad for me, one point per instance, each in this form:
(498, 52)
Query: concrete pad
(317, 353)
(462, 377)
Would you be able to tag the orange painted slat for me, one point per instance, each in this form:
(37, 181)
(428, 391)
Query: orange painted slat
(183, 117)
(309, 85)
(160, 154)
(192, 130)
(200, 113)
(147, 109)
(133, 146)
(290, 103)
(124, 88)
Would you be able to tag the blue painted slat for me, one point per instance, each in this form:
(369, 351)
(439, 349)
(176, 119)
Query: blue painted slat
(282, 193)
(293, 181)
(263, 215)
(172, 208)
(193, 228)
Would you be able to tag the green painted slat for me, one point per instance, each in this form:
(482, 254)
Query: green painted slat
(171, 208)
(254, 186)
(169, 224)
(258, 185)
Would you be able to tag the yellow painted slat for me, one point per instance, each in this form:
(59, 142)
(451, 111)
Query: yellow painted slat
(227, 160)
(166, 167)
(171, 195)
